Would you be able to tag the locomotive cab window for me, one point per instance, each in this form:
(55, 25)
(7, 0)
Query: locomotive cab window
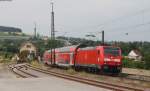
(111, 51)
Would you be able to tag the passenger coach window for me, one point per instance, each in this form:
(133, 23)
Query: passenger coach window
(98, 52)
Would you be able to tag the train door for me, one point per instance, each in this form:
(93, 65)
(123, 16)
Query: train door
(71, 59)
(98, 56)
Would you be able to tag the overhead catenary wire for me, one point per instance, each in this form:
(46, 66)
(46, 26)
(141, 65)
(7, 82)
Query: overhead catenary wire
(106, 25)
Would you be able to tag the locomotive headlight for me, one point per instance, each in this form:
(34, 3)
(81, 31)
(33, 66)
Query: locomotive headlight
(106, 59)
(117, 60)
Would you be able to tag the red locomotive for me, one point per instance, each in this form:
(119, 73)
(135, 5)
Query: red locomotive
(102, 58)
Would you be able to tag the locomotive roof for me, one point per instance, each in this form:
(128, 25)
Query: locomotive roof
(68, 48)
(88, 48)
(64, 49)
(72, 48)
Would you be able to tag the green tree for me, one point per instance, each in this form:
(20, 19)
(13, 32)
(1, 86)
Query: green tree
(147, 61)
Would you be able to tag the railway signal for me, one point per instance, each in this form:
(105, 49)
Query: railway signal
(103, 36)
(126, 34)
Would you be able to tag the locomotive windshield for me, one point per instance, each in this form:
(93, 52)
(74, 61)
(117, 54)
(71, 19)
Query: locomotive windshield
(111, 51)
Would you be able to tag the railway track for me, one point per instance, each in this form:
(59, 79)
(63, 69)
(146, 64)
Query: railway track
(106, 85)
(137, 77)
(126, 76)
(18, 70)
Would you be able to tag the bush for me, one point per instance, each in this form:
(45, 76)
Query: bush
(147, 61)
(133, 64)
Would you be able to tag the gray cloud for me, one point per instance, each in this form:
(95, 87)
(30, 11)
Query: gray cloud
(79, 17)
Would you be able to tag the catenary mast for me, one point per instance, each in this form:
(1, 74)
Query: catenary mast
(52, 36)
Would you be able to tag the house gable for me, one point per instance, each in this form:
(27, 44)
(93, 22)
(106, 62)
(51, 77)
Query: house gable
(132, 53)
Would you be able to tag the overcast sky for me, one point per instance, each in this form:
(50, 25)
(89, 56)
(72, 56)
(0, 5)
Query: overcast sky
(81, 17)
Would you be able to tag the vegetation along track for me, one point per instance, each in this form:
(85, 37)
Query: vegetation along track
(20, 72)
(135, 77)
(106, 85)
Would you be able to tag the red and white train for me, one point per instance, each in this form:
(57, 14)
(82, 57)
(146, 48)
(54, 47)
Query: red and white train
(104, 58)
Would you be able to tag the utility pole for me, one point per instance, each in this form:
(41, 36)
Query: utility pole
(35, 30)
(52, 36)
(103, 40)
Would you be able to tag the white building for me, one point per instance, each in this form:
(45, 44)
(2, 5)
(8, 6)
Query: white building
(135, 54)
